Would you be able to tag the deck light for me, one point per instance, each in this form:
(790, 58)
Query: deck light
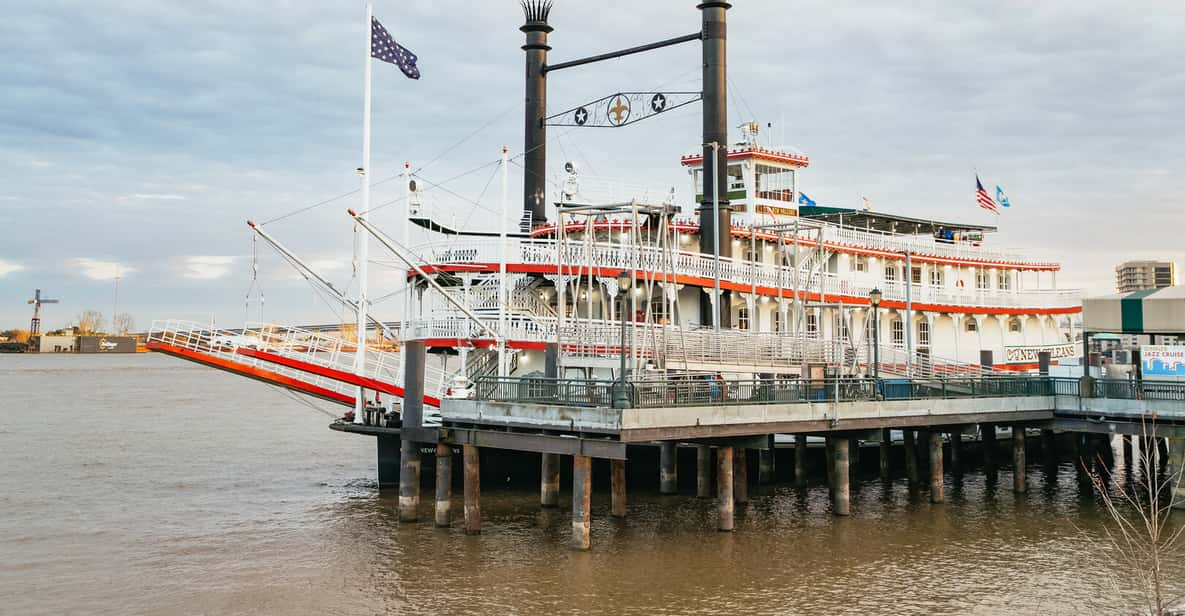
(874, 298)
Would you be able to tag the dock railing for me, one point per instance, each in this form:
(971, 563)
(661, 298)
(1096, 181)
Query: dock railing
(704, 390)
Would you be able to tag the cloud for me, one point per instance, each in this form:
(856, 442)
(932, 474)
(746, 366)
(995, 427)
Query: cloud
(8, 267)
(207, 267)
(156, 197)
(101, 270)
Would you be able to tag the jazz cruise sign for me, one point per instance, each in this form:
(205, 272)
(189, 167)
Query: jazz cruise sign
(1162, 360)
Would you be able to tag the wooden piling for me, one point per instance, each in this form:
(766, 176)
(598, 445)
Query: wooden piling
(740, 475)
(703, 471)
(549, 482)
(936, 487)
(854, 454)
(1019, 485)
(800, 459)
(911, 456)
(956, 450)
(617, 479)
(581, 501)
(886, 450)
(765, 462)
(724, 489)
(841, 502)
(987, 435)
(409, 481)
(1048, 447)
(668, 468)
(444, 485)
(471, 461)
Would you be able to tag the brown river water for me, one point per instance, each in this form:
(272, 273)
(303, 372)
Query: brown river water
(145, 485)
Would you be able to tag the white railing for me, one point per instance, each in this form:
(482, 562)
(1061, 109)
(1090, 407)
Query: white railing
(922, 245)
(748, 273)
(297, 344)
(696, 349)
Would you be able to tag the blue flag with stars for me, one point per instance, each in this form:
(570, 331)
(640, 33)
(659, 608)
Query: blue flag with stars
(383, 47)
(1001, 198)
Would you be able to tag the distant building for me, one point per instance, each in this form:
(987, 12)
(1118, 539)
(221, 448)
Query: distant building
(56, 344)
(1140, 275)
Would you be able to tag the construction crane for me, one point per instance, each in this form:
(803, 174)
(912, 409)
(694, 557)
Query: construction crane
(35, 324)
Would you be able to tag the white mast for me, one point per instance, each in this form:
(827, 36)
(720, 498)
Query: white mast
(503, 292)
(361, 247)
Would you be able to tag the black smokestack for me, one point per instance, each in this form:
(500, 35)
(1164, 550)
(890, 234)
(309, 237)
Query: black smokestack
(535, 133)
(715, 131)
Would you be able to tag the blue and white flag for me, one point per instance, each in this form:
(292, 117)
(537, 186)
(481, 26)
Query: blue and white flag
(1001, 198)
(805, 200)
(383, 47)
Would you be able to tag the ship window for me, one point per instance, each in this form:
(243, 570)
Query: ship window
(890, 273)
(775, 183)
(736, 178)
(898, 330)
(1014, 325)
(923, 333)
(972, 325)
(812, 324)
(1005, 280)
(860, 264)
(742, 318)
(937, 277)
(778, 321)
(841, 327)
(915, 275)
(982, 281)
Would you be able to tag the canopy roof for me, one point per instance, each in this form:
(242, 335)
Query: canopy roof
(1152, 311)
(881, 221)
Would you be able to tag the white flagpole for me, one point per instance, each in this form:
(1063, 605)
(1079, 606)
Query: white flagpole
(362, 248)
(503, 291)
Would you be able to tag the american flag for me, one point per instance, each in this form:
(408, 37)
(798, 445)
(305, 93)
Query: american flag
(983, 199)
(384, 48)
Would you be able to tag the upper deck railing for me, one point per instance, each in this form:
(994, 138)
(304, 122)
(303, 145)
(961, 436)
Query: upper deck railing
(652, 263)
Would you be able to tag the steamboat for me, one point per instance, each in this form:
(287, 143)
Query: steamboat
(602, 281)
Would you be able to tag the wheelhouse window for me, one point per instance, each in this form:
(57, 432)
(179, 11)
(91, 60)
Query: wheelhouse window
(774, 183)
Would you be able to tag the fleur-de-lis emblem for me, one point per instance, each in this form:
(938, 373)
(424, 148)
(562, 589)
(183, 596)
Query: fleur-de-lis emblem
(620, 111)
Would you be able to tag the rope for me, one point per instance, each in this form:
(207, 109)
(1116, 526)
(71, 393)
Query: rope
(254, 283)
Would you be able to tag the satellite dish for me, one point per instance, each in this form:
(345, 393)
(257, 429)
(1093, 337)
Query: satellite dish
(570, 167)
(411, 185)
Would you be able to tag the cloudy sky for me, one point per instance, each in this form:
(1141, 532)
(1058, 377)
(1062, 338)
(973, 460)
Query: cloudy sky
(137, 137)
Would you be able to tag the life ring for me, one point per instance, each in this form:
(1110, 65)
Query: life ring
(959, 284)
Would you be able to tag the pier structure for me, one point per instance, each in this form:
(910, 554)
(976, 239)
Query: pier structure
(556, 418)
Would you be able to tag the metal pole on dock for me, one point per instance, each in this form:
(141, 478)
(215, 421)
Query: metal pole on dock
(765, 463)
(581, 501)
(444, 485)
(472, 462)
(936, 487)
(987, 436)
(668, 471)
(549, 484)
(703, 471)
(617, 479)
(724, 488)
(956, 450)
(414, 355)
